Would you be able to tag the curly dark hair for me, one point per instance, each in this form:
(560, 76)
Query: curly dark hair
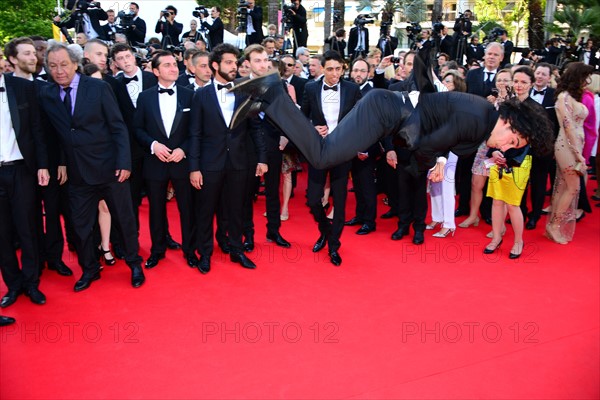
(217, 54)
(531, 122)
(573, 80)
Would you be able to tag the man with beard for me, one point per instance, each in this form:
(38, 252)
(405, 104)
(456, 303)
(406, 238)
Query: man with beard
(219, 156)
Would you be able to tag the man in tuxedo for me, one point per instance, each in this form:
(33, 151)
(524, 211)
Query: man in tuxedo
(325, 103)
(315, 67)
(298, 19)
(216, 29)
(254, 32)
(95, 140)
(23, 162)
(89, 21)
(475, 50)
(480, 82)
(187, 77)
(169, 28)
(21, 54)
(288, 74)
(162, 128)
(202, 72)
(363, 165)
(303, 55)
(462, 30)
(136, 34)
(110, 28)
(219, 157)
(358, 40)
(508, 48)
(541, 165)
(446, 42)
(387, 44)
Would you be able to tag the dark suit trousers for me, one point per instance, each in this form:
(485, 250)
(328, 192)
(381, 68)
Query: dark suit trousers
(157, 199)
(363, 178)
(52, 241)
(412, 198)
(463, 184)
(538, 179)
(252, 185)
(233, 186)
(83, 200)
(18, 204)
(272, 184)
(338, 179)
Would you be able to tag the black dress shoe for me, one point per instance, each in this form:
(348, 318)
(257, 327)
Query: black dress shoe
(419, 238)
(241, 259)
(352, 222)
(137, 276)
(153, 260)
(488, 250)
(249, 244)
(60, 267)
(6, 320)
(278, 240)
(365, 229)
(460, 213)
(204, 264)
(36, 296)
(85, 281)
(531, 224)
(9, 298)
(488, 220)
(118, 251)
(400, 233)
(320, 243)
(335, 258)
(192, 260)
(595, 198)
(388, 215)
(171, 244)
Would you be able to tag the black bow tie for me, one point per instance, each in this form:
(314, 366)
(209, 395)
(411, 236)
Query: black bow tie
(169, 91)
(2, 89)
(190, 75)
(536, 92)
(227, 86)
(334, 88)
(127, 80)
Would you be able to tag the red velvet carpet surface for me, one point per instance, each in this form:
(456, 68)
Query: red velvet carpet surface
(437, 321)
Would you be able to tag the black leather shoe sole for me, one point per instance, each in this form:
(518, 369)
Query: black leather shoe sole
(153, 260)
(10, 298)
(85, 283)
(61, 269)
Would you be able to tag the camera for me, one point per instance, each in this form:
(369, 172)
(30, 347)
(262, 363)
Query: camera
(438, 26)
(175, 49)
(200, 12)
(395, 60)
(495, 92)
(125, 19)
(166, 13)
(84, 5)
(362, 20)
(242, 15)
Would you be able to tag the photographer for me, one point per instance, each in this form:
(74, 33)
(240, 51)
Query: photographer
(475, 50)
(552, 51)
(297, 17)
(508, 48)
(169, 28)
(462, 29)
(85, 18)
(337, 42)
(358, 42)
(110, 29)
(387, 44)
(215, 31)
(587, 53)
(136, 33)
(254, 32)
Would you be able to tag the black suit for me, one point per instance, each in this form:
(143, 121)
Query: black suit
(256, 16)
(184, 80)
(300, 28)
(215, 32)
(150, 128)
(96, 15)
(18, 187)
(447, 45)
(223, 158)
(137, 35)
(298, 84)
(475, 52)
(96, 144)
(353, 42)
(387, 45)
(108, 32)
(170, 32)
(312, 107)
(508, 49)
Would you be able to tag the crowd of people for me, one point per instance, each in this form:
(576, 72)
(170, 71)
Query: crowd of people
(88, 131)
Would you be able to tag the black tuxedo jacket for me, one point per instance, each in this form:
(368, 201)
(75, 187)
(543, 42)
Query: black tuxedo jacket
(95, 138)
(447, 45)
(508, 49)
(137, 36)
(256, 14)
(167, 30)
(312, 106)
(96, 15)
(353, 41)
(215, 147)
(298, 84)
(25, 116)
(149, 127)
(475, 82)
(183, 80)
(105, 32)
(388, 47)
(549, 106)
(215, 32)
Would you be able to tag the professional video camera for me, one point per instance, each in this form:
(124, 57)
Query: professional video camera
(362, 20)
(175, 49)
(200, 12)
(438, 26)
(413, 29)
(125, 19)
(288, 15)
(83, 5)
(242, 15)
(493, 35)
(337, 16)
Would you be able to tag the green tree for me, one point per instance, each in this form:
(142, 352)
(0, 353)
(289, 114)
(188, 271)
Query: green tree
(580, 15)
(535, 28)
(26, 18)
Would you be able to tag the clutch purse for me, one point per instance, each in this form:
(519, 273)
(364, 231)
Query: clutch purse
(579, 168)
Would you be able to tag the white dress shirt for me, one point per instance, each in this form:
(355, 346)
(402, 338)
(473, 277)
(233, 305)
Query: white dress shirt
(134, 88)
(9, 148)
(226, 101)
(168, 107)
(330, 103)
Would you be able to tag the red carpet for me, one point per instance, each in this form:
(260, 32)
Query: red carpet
(436, 321)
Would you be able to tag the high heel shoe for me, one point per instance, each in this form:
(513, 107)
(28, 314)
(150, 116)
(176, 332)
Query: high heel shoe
(107, 261)
(443, 235)
(490, 234)
(487, 250)
(284, 217)
(432, 225)
(514, 256)
(554, 237)
(466, 224)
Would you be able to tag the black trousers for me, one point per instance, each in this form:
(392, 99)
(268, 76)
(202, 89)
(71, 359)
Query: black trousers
(18, 205)
(412, 198)
(50, 207)
(83, 200)
(272, 185)
(338, 180)
(157, 199)
(232, 184)
(363, 179)
(538, 179)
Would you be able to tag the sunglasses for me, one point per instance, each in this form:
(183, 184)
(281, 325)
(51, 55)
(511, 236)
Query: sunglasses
(290, 65)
